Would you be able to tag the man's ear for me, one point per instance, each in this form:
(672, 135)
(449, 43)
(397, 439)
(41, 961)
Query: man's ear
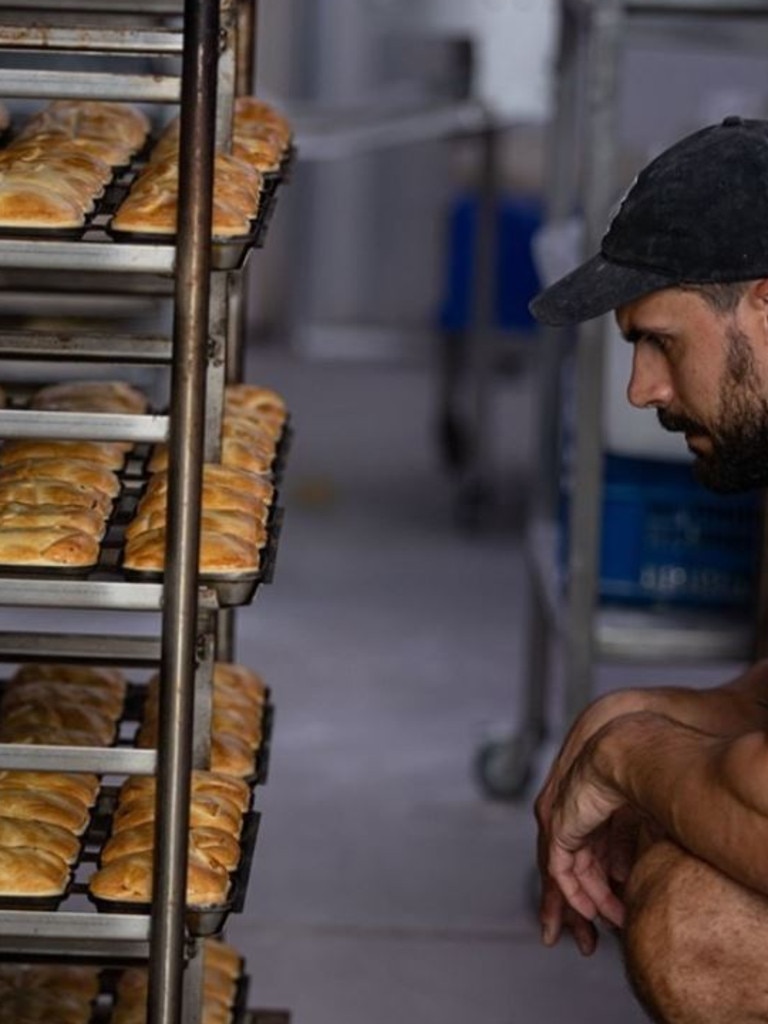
(759, 291)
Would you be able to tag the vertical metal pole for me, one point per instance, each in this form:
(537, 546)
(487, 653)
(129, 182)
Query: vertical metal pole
(179, 616)
(561, 193)
(247, 19)
(600, 146)
(481, 335)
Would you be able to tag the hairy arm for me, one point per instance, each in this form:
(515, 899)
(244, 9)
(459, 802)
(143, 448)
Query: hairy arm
(707, 793)
(729, 710)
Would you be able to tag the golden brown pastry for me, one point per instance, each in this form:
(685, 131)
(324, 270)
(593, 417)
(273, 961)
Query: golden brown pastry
(40, 1006)
(46, 491)
(223, 956)
(49, 807)
(72, 470)
(238, 524)
(48, 691)
(210, 809)
(260, 488)
(48, 179)
(232, 755)
(25, 206)
(249, 434)
(157, 214)
(122, 122)
(237, 455)
(235, 790)
(38, 835)
(91, 396)
(60, 154)
(111, 679)
(229, 675)
(213, 845)
(249, 110)
(131, 998)
(21, 517)
(49, 735)
(129, 879)
(44, 547)
(80, 786)
(25, 871)
(103, 453)
(67, 979)
(215, 497)
(258, 399)
(60, 715)
(219, 553)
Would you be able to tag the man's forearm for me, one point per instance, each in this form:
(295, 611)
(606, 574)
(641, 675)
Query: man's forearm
(729, 710)
(709, 794)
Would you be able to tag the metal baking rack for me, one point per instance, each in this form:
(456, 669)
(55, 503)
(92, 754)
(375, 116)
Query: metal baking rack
(81, 34)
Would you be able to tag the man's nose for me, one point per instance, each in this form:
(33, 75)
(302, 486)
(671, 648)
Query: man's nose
(649, 384)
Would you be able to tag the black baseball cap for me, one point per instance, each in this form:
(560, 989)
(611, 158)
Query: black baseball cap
(697, 214)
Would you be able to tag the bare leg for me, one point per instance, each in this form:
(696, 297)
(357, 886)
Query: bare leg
(695, 943)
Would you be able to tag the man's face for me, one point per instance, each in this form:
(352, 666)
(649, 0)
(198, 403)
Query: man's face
(705, 372)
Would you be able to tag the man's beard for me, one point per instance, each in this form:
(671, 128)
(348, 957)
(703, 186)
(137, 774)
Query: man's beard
(739, 457)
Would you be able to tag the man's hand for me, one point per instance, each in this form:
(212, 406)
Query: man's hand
(555, 913)
(587, 850)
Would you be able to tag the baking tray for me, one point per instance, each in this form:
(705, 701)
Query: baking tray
(233, 589)
(264, 752)
(205, 921)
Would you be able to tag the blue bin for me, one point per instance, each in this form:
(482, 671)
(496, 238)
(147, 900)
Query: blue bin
(516, 280)
(667, 539)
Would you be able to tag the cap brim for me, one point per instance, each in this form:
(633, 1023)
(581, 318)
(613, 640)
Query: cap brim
(596, 287)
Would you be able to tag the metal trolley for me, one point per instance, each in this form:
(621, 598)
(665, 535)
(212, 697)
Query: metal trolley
(197, 54)
(583, 175)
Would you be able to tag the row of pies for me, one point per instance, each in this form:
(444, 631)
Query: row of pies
(217, 805)
(222, 970)
(238, 703)
(67, 993)
(56, 496)
(260, 141)
(60, 162)
(237, 492)
(58, 165)
(81, 705)
(45, 814)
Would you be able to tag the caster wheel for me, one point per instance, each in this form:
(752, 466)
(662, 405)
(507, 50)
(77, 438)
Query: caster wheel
(503, 770)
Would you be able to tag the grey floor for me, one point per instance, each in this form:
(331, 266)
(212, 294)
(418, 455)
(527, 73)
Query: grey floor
(385, 887)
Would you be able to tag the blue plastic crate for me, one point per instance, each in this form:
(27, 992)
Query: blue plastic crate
(516, 279)
(667, 539)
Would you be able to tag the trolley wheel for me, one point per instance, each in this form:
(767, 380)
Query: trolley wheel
(504, 768)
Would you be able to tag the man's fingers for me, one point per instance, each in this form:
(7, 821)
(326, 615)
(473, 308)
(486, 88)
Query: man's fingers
(594, 882)
(584, 933)
(551, 910)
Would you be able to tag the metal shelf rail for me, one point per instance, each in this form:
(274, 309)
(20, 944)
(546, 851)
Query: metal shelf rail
(583, 174)
(206, 73)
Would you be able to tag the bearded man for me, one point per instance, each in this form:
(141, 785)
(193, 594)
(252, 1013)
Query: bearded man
(654, 816)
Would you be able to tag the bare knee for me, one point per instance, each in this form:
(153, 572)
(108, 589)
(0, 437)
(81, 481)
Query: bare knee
(694, 941)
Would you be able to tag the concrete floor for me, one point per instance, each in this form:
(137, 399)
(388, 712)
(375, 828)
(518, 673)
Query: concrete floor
(385, 887)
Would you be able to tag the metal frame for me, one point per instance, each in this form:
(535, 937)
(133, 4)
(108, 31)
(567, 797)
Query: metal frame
(213, 65)
(590, 46)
